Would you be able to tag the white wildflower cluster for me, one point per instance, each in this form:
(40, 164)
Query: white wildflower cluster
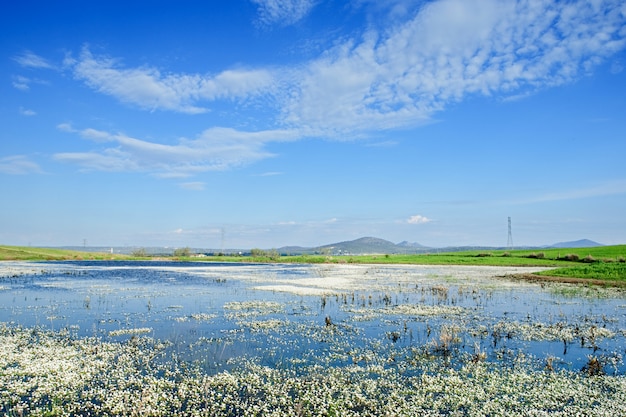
(254, 308)
(44, 373)
(264, 325)
(134, 331)
(560, 331)
(425, 310)
(196, 317)
(409, 310)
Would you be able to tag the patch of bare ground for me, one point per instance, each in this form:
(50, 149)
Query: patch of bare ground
(566, 280)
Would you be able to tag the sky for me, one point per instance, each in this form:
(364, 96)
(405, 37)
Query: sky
(266, 123)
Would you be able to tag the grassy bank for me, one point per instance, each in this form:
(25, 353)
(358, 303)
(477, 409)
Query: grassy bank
(604, 263)
(27, 253)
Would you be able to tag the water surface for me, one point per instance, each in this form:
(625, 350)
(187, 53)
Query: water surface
(284, 315)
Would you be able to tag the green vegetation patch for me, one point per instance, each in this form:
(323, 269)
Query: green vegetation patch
(607, 271)
(27, 253)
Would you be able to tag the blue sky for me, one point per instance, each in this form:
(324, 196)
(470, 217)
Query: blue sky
(264, 123)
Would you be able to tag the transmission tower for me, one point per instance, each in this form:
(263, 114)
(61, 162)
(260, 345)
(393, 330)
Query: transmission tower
(509, 242)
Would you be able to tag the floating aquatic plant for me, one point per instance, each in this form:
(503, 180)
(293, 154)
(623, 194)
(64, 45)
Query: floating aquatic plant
(125, 332)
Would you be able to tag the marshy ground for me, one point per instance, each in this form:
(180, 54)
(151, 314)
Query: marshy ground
(215, 339)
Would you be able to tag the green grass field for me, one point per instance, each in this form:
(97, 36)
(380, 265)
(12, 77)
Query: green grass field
(605, 263)
(27, 253)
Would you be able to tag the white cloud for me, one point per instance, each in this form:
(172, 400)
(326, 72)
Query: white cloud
(418, 219)
(66, 127)
(18, 165)
(149, 89)
(27, 112)
(448, 51)
(194, 186)
(28, 59)
(215, 149)
(283, 12)
(21, 83)
(443, 53)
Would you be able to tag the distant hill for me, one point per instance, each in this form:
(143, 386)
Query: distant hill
(370, 245)
(582, 243)
(406, 244)
(361, 246)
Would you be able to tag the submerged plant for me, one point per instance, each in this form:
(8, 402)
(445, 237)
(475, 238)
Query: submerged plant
(593, 367)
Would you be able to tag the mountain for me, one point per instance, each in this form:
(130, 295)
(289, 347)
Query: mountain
(370, 245)
(406, 244)
(582, 243)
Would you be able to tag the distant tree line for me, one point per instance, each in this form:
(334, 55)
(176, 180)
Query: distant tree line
(272, 254)
(182, 252)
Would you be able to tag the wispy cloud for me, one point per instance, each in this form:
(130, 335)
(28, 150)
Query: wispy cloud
(28, 59)
(607, 189)
(194, 186)
(215, 149)
(149, 89)
(270, 174)
(418, 219)
(448, 51)
(283, 12)
(383, 144)
(23, 83)
(27, 112)
(19, 165)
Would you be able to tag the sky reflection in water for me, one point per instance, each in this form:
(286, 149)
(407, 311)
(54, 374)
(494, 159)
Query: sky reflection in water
(215, 313)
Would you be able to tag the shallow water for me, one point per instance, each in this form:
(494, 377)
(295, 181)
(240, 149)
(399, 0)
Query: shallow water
(284, 315)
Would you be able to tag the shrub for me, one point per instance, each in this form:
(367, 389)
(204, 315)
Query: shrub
(569, 257)
(534, 255)
(139, 253)
(589, 259)
(182, 252)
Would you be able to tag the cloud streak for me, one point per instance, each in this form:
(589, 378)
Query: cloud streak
(27, 112)
(216, 149)
(28, 59)
(601, 190)
(149, 89)
(283, 12)
(19, 165)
